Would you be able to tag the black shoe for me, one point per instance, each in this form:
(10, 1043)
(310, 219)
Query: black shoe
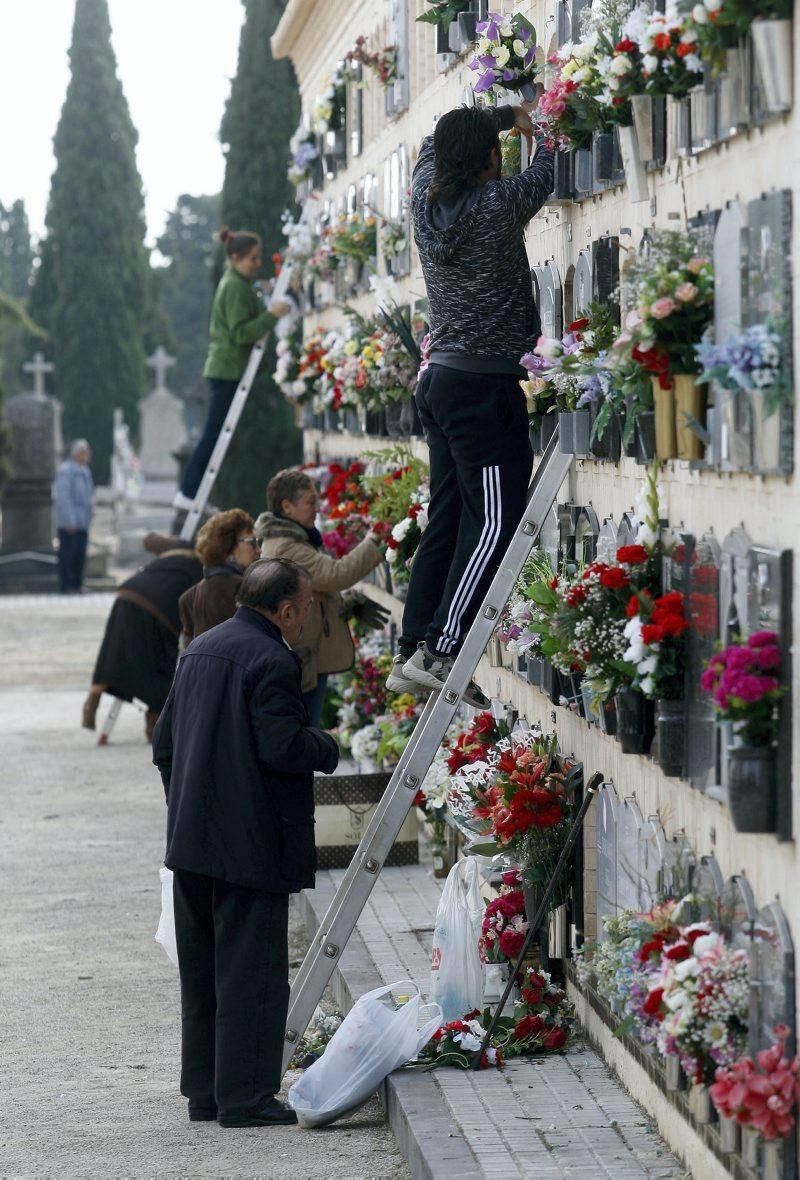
(202, 1114)
(271, 1114)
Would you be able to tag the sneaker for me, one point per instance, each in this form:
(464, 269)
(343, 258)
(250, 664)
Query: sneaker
(271, 1114)
(397, 682)
(432, 671)
(181, 502)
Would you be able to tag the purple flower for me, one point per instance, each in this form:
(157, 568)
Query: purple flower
(484, 83)
(530, 55)
(490, 28)
(768, 658)
(488, 61)
(510, 75)
(535, 364)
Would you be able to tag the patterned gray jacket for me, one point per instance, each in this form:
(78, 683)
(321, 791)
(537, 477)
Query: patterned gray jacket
(480, 298)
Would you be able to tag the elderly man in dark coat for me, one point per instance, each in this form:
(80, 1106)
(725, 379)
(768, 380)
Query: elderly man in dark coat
(237, 756)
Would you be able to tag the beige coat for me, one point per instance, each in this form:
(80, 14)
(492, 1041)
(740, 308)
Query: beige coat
(325, 643)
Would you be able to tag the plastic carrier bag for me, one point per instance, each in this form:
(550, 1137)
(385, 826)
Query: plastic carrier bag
(372, 1040)
(166, 923)
(456, 968)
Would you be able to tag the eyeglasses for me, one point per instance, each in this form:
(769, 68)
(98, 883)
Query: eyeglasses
(254, 541)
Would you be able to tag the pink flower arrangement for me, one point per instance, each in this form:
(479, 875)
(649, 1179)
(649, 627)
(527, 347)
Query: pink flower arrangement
(661, 308)
(743, 680)
(760, 1094)
(504, 926)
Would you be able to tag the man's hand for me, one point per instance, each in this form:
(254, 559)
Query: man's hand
(522, 116)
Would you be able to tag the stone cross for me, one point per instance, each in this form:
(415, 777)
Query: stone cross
(39, 367)
(160, 361)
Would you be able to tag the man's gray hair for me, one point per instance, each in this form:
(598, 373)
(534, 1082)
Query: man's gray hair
(78, 444)
(269, 582)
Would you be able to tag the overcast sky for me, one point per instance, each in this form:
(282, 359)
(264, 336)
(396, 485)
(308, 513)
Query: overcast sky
(175, 59)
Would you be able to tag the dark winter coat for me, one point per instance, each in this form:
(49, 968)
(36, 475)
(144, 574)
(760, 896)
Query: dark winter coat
(237, 758)
(210, 602)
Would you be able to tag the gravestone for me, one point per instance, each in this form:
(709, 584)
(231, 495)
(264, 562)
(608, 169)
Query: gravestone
(607, 541)
(737, 912)
(27, 560)
(769, 297)
(680, 864)
(652, 845)
(550, 300)
(587, 531)
(161, 423)
(703, 610)
(629, 851)
(550, 538)
(582, 284)
(772, 972)
(606, 814)
(730, 428)
(605, 272)
(707, 887)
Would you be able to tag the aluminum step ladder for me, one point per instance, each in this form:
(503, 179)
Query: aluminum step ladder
(224, 438)
(409, 774)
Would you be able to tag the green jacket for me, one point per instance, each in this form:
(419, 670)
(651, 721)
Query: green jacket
(238, 319)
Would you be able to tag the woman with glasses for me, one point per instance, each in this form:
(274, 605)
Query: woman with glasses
(226, 546)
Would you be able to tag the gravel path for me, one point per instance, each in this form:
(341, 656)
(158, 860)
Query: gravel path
(90, 1041)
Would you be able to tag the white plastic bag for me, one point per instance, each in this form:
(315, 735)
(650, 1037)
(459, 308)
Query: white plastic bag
(456, 968)
(372, 1040)
(166, 923)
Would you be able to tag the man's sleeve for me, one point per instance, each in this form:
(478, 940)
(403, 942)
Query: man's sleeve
(284, 739)
(162, 743)
(525, 194)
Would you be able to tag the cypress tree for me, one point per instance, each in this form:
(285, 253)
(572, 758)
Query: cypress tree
(16, 267)
(260, 116)
(91, 290)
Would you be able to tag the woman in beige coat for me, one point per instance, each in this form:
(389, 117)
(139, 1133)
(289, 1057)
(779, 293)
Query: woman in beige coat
(287, 530)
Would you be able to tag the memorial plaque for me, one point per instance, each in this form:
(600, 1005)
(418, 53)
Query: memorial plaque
(733, 614)
(606, 813)
(626, 534)
(550, 538)
(550, 301)
(772, 978)
(629, 848)
(769, 298)
(568, 19)
(587, 529)
(707, 886)
(582, 283)
(703, 610)
(737, 912)
(680, 864)
(652, 846)
(355, 101)
(605, 271)
(607, 544)
(731, 429)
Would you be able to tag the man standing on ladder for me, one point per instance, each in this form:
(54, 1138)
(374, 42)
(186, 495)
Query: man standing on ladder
(469, 227)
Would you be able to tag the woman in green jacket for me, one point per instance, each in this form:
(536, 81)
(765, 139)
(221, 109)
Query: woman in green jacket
(238, 319)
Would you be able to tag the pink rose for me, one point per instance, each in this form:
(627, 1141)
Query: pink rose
(663, 307)
(695, 265)
(686, 292)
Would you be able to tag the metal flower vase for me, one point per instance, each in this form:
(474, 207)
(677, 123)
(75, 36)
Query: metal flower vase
(664, 406)
(772, 1155)
(634, 721)
(729, 1135)
(603, 156)
(752, 787)
(700, 1104)
(750, 1144)
(676, 1078)
(690, 408)
(574, 432)
(671, 731)
(642, 108)
(772, 50)
(645, 437)
(635, 174)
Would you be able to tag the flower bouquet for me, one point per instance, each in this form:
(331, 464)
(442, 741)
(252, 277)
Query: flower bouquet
(570, 111)
(303, 150)
(382, 63)
(404, 539)
(752, 363)
(744, 680)
(504, 57)
(673, 291)
(329, 106)
(504, 926)
(355, 237)
(761, 1095)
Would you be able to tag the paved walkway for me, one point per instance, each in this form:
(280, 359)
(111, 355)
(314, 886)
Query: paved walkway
(90, 1016)
(552, 1117)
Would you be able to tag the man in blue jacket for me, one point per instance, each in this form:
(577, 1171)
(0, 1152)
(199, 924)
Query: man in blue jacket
(469, 226)
(72, 495)
(237, 758)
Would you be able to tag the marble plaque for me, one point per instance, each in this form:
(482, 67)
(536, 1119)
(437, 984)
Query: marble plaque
(606, 814)
(607, 543)
(582, 284)
(629, 855)
(772, 976)
(652, 844)
(587, 529)
(707, 886)
(732, 430)
(737, 912)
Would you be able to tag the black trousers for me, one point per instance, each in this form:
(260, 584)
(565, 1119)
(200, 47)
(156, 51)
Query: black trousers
(234, 967)
(71, 559)
(221, 397)
(476, 427)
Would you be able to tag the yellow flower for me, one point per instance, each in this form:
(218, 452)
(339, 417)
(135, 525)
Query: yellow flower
(351, 347)
(569, 69)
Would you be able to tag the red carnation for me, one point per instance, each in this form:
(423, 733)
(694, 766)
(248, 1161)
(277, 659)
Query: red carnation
(652, 633)
(679, 951)
(579, 325)
(532, 996)
(632, 554)
(662, 41)
(529, 1026)
(511, 942)
(626, 46)
(555, 1038)
(652, 1004)
(614, 579)
(484, 723)
(653, 947)
(632, 609)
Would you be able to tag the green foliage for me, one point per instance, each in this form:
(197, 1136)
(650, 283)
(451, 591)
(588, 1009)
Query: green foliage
(260, 117)
(443, 12)
(91, 290)
(12, 316)
(391, 493)
(16, 264)
(184, 285)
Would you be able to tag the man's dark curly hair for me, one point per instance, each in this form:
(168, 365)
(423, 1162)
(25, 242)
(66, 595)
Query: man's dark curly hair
(462, 143)
(218, 537)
